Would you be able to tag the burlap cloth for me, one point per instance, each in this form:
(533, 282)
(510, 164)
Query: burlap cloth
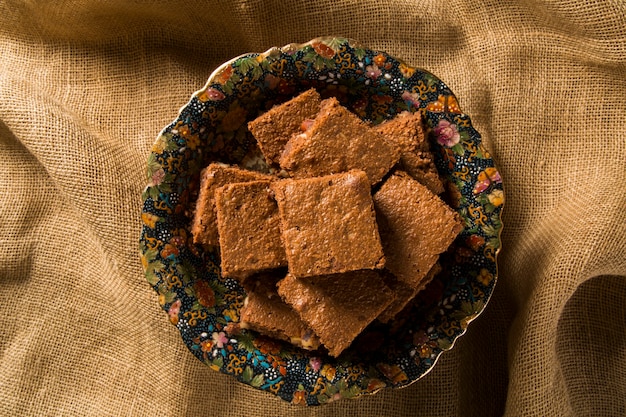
(85, 87)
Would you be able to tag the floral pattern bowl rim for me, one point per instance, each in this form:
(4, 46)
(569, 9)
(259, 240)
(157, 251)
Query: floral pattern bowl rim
(212, 126)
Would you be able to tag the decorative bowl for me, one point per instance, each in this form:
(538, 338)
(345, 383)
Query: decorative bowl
(212, 126)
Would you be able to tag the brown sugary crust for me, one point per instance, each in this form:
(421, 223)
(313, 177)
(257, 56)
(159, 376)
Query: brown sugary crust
(337, 308)
(214, 176)
(416, 226)
(407, 132)
(265, 312)
(274, 128)
(249, 231)
(328, 224)
(421, 167)
(338, 141)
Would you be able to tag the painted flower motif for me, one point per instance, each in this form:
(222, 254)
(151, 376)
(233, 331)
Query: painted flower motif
(475, 242)
(231, 314)
(206, 345)
(204, 294)
(299, 397)
(173, 311)
(485, 179)
(323, 50)
(444, 103)
(219, 339)
(406, 71)
(424, 351)
(484, 277)
(157, 177)
(372, 71)
(375, 384)
(150, 219)
(447, 133)
(315, 363)
(496, 198)
(329, 372)
(224, 75)
(360, 105)
(211, 94)
(411, 98)
(393, 372)
(379, 60)
(169, 251)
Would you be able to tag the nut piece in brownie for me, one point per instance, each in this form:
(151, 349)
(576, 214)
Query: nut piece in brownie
(248, 227)
(328, 224)
(415, 225)
(265, 312)
(407, 132)
(337, 307)
(274, 128)
(338, 141)
(214, 176)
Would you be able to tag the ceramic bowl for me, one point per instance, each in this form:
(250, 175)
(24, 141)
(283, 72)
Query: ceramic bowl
(212, 126)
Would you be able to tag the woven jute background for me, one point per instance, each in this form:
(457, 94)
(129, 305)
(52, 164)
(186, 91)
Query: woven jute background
(85, 87)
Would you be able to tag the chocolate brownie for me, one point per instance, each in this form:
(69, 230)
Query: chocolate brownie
(265, 312)
(328, 224)
(248, 227)
(337, 307)
(415, 225)
(214, 176)
(275, 127)
(407, 132)
(404, 293)
(338, 141)
(421, 167)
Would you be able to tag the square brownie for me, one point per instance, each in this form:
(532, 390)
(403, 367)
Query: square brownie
(265, 312)
(403, 292)
(337, 307)
(415, 225)
(274, 128)
(406, 130)
(249, 230)
(214, 176)
(328, 224)
(338, 141)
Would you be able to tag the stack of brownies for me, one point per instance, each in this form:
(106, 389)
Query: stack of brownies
(348, 233)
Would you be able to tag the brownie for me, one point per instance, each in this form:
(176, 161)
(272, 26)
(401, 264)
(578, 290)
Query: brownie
(248, 227)
(275, 127)
(214, 176)
(416, 226)
(337, 307)
(421, 167)
(404, 293)
(338, 141)
(328, 224)
(407, 132)
(265, 312)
